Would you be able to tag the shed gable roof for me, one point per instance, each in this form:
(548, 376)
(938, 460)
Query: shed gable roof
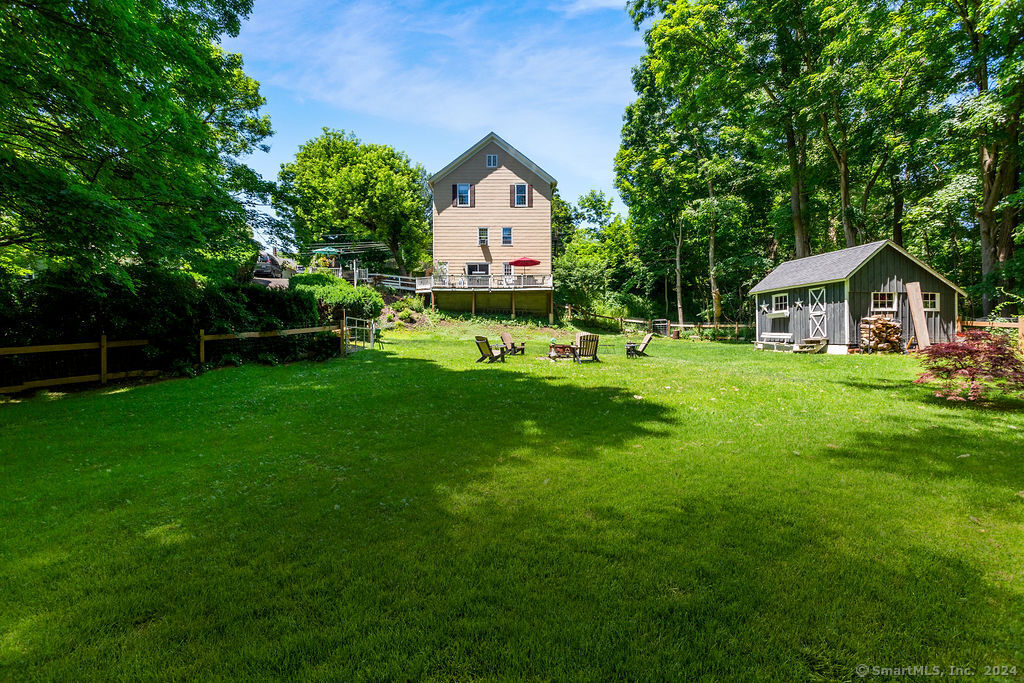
(827, 267)
(832, 266)
(496, 139)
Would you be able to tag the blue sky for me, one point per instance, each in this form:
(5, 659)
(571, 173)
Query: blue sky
(432, 78)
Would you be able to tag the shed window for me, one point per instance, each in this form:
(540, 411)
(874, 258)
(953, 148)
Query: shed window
(883, 301)
(463, 194)
(780, 302)
(931, 300)
(481, 237)
(492, 161)
(478, 269)
(521, 195)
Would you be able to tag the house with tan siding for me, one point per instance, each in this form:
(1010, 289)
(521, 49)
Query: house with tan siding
(492, 206)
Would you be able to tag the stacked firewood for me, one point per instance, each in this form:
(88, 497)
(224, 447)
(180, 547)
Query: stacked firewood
(879, 333)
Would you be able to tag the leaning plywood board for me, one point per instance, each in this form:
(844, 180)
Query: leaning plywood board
(917, 315)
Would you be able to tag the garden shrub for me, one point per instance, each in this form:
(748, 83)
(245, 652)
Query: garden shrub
(979, 365)
(336, 297)
(412, 303)
(167, 307)
(407, 316)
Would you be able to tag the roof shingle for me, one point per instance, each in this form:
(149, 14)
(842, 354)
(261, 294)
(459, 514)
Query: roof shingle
(833, 265)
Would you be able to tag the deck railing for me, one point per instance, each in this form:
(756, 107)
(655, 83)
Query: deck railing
(426, 284)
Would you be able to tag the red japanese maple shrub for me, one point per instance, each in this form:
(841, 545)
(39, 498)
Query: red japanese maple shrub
(973, 367)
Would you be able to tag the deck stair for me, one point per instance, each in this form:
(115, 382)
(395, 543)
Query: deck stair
(811, 345)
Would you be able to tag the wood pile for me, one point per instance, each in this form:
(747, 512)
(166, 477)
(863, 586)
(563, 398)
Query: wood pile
(882, 334)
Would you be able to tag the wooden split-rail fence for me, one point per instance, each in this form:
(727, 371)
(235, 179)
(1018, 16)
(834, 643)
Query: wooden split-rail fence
(1019, 326)
(102, 376)
(361, 335)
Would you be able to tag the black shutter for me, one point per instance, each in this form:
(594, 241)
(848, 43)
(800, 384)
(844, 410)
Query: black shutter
(512, 196)
(529, 195)
(455, 195)
(472, 196)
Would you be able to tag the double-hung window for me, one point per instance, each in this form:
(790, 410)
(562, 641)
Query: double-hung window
(931, 300)
(780, 303)
(482, 237)
(883, 301)
(463, 194)
(507, 269)
(522, 198)
(506, 237)
(492, 161)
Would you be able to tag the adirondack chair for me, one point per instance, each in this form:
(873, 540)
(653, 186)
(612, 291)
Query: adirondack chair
(635, 351)
(586, 347)
(487, 353)
(511, 348)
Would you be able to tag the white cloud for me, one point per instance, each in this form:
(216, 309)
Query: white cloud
(582, 6)
(555, 93)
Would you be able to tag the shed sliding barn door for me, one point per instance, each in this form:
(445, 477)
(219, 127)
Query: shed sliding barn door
(816, 314)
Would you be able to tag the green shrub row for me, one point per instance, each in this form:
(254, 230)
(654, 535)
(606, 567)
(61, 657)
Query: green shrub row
(166, 307)
(335, 296)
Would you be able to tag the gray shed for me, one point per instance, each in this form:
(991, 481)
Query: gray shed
(824, 297)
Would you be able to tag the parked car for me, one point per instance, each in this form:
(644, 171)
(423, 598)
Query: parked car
(267, 265)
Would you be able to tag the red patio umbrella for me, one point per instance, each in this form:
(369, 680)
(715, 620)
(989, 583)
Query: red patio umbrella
(524, 262)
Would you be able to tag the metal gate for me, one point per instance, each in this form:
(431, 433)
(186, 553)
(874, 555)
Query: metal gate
(360, 334)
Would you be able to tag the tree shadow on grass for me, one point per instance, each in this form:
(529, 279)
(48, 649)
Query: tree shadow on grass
(388, 517)
(184, 506)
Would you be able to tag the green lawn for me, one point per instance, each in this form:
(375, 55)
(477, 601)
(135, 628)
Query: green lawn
(710, 512)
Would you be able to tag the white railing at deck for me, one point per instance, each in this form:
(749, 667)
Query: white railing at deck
(425, 284)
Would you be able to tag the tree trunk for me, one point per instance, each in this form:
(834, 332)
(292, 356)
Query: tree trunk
(797, 195)
(849, 229)
(716, 296)
(679, 270)
(666, 293)
(897, 209)
(841, 157)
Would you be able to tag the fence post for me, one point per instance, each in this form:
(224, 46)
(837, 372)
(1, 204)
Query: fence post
(202, 346)
(344, 333)
(103, 359)
(1020, 332)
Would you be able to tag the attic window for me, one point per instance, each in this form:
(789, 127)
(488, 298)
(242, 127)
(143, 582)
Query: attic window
(492, 161)
(463, 196)
(931, 300)
(780, 303)
(521, 195)
(883, 301)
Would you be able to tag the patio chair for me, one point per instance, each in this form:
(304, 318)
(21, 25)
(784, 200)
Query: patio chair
(487, 353)
(634, 350)
(511, 348)
(586, 347)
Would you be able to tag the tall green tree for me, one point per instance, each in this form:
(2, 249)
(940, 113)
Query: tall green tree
(120, 129)
(338, 184)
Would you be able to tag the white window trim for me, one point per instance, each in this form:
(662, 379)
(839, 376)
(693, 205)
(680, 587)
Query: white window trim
(484, 239)
(526, 196)
(508, 270)
(884, 310)
(935, 308)
(478, 263)
(458, 194)
(491, 157)
(775, 303)
(511, 236)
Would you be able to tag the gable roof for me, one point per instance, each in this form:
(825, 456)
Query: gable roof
(496, 139)
(832, 266)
